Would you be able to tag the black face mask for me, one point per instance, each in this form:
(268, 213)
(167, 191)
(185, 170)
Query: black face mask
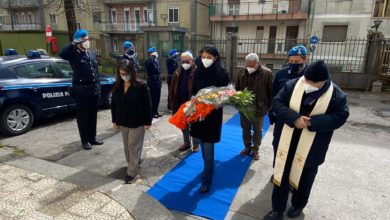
(295, 67)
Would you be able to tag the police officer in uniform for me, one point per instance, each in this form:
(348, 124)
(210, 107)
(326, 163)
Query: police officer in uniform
(86, 88)
(297, 58)
(130, 55)
(153, 70)
(172, 64)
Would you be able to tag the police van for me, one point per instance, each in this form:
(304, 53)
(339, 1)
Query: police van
(34, 87)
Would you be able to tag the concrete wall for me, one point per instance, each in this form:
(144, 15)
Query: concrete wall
(202, 19)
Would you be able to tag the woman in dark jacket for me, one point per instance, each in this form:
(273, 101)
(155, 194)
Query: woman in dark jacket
(208, 131)
(131, 111)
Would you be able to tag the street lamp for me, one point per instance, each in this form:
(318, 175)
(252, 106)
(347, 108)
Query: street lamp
(376, 25)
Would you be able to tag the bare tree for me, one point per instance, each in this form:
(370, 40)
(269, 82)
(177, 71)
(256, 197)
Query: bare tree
(68, 7)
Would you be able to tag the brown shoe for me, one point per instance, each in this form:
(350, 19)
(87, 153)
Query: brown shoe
(184, 147)
(255, 155)
(245, 152)
(195, 148)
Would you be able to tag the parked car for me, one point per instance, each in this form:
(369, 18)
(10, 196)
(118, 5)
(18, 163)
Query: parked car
(37, 88)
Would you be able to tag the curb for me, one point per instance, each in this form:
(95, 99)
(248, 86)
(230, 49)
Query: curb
(138, 203)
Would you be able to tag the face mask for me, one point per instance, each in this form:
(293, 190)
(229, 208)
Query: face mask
(309, 88)
(207, 62)
(295, 67)
(186, 66)
(251, 70)
(155, 54)
(85, 44)
(125, 77)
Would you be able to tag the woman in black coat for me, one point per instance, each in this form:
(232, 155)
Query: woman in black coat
(208, 131)
(131, 110)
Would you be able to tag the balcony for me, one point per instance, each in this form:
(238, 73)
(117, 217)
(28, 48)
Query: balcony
(19, 27)
(125, 1)
(18, 4)
(122, 27)
(255, 11)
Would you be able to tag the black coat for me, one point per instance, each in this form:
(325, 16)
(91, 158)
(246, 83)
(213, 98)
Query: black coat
(324, 124)
(209, 130)
(132, 109)
(83, 63)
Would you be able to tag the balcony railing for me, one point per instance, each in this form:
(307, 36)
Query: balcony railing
(18, 27)
(125, 1)
(121, 27)
(19, 4)
(266, 10)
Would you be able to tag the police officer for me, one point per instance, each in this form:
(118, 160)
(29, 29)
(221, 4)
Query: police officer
(172, 64)
(130, 55)
(297, 58)
(153, 70)
(86, 88)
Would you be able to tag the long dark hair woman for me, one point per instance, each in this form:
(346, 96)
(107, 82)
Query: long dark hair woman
(209, 73)
(131, 111)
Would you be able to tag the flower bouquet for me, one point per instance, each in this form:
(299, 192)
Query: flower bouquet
(210, 98)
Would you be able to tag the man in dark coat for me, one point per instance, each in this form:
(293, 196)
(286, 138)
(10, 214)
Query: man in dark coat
(85, 86)
(180, 92)
(130, 55)
(257, 79)
(171, 68)
(308, 109)
(153, 70)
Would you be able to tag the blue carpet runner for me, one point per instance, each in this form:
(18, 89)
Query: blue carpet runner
(179, 188)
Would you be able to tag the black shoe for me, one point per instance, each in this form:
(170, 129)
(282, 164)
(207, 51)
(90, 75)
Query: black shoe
(96, 142)
(155, 116)
(273, 215)
(158, 114)
(129, 179)
(204, 189)
(87, 146)
(294, 212)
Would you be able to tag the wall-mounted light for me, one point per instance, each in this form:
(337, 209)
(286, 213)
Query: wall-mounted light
(376, 25)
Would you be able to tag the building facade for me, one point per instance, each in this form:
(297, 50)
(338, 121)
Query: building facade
(21, 15)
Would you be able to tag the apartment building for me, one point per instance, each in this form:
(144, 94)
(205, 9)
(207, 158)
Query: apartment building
(21, 15)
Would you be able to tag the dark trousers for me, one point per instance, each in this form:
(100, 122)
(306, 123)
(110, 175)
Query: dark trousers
(208, 163)
(87, 106)
(300, 197)
(155, 93)
(252, 140)
(169, 81)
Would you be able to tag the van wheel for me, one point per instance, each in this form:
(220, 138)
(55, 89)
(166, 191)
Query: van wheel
(16, 120)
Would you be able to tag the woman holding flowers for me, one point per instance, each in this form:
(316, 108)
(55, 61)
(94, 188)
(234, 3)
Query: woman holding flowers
(208, 131)
(131, 110)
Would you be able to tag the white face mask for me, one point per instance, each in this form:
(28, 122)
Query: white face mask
(207, 62)
(309, 88)
(86, 44)
(125, 77)
(251, 70)
(186, 66)
(155, 54)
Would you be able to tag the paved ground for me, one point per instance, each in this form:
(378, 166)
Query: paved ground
(352, 184)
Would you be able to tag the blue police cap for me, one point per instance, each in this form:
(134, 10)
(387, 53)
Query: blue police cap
(10, 52)
(152, 50)
(172, 52)
(33, 54)
(297, 51)
(127, 45)
(80, 35)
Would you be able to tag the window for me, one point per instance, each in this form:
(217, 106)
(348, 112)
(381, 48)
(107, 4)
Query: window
(173, 16)
(53, 19)
(113, 16)
(145, 15)
(381, 8)
(97, 17)
(115, 44)
(76, 4)
(65, 69)
(30, 18)
(23, 19)
(232, 29)
(259, 33)
(127, 19)
(35, 70)
(336, 33)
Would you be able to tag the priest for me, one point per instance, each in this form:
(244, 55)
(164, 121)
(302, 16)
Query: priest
(308, 109)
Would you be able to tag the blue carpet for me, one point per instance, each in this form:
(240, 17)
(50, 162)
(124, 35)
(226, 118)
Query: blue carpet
(179, 188)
